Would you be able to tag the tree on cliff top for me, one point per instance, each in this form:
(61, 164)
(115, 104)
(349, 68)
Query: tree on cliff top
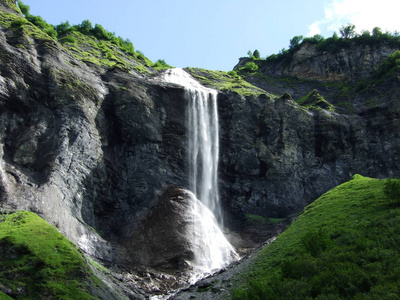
(348, 31)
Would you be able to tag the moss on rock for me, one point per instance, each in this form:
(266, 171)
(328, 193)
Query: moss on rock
(314, 100)
(37, 261)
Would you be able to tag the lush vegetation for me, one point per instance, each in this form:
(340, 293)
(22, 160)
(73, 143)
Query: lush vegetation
(333, 44)
(11, 4)
(21, 26)
(314, 101)
(37, 20)
(343, 246)
(225, 81)
(392, 190)
(37, 262)
(92, 44)
(388, 68)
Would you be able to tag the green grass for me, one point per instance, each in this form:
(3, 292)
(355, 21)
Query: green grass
(11, 4)
(86, 48)
(345, 245)
(37, 262)
(255, 219)
(101, 53)
(225, 81)
(22, 27)
(314, 101)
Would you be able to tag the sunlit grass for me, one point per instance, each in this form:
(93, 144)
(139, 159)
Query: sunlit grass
(345, 245)
(36, 260)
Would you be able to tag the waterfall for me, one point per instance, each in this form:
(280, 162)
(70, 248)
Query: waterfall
(210, 247)
(204, 147)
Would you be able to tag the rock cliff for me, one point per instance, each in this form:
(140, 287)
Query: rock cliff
(348, 63)
(92, 149)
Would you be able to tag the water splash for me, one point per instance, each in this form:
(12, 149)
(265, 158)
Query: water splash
(4, 182)
(211, 248)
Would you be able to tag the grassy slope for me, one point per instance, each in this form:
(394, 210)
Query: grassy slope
(85, 48)
(345, 245)
(37, 261)
(226, 81)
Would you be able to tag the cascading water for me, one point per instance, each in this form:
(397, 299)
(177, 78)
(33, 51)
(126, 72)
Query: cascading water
(210, 247)
(204, 146)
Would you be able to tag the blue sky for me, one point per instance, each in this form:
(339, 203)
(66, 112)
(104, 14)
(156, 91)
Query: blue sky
(214, 34)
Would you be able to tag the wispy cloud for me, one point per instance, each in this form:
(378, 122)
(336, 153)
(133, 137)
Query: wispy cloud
(364, 14)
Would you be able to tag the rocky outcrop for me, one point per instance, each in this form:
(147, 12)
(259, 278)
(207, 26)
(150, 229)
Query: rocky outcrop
(277, 150)
(347, 64)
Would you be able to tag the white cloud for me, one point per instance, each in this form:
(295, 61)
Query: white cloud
(314, 29)
(364, 14)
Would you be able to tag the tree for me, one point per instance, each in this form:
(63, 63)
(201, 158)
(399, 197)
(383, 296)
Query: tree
(295, 41)
(318, 38)
(63, 27)
(348, 31)
(256, 54)
(24, 9)
(377, 32)
(85, 27)
(100, 33)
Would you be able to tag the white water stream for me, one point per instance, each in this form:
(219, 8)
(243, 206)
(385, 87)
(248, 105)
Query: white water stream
(211, 248)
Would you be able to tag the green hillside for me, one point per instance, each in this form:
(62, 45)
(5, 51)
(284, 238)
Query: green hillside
(345, 245)
(37, 262)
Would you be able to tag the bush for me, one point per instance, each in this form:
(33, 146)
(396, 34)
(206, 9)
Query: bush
(161, 65)
(315, 242)
(100, 33)
(250, 66)
(233, 73)
(69, 39)
(63, 28)
(37, 20)
(392, 190)
(255, 219)
(18, 22)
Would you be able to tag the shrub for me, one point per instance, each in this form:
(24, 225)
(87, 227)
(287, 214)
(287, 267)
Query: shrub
(391, 65)
(295, 42)
(37, 20)
(24, 8)
(100, 33)
(392, 190)
(232, 73)
(255, 219)
(315, 242)
(18, 22)
(63, 28)
(69, 39)
(85, 27)
(161, 65)
(250, 66)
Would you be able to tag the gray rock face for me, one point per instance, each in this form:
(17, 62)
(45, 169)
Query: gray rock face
(278, 151)
(353, 63)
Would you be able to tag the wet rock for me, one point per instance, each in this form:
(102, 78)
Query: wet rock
(162, 242)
